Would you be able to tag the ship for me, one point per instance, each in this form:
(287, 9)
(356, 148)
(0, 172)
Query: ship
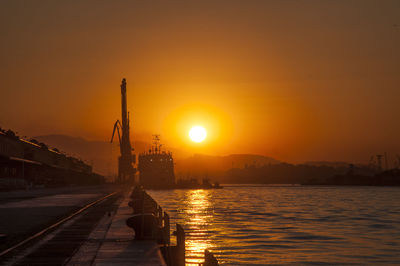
(156, 167)
(156, 171)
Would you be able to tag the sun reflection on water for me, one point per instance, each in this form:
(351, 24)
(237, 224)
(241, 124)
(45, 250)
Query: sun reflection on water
(198, 219)
(287, 225)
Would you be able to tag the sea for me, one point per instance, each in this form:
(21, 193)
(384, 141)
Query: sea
(288, 225)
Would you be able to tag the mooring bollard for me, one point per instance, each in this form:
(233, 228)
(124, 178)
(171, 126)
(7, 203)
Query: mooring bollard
(150, 222)
(209, 259)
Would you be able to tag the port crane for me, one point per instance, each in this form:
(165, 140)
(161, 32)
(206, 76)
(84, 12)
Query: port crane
(126, 171)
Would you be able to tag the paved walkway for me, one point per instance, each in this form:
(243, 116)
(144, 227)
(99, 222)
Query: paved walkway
(22, 216)
(112, 243)
(19, 195)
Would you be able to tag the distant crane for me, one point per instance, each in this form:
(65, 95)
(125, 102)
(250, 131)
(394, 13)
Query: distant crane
(398, 161)
(379, 161)
(376, 162)
(386, 161)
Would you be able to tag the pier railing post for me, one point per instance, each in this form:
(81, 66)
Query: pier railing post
(166, 229)
(143, 199)
(180, 245)
(160, 216)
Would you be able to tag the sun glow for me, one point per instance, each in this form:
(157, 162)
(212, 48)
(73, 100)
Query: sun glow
(198, 134)
(216, 123)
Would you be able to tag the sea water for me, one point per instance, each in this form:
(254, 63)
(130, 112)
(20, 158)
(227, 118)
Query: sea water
(261, 225)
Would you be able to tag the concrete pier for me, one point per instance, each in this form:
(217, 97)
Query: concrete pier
(25, 212)
(112, 243)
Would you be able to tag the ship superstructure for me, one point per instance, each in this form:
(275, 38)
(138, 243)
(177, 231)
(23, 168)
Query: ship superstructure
(156, 167)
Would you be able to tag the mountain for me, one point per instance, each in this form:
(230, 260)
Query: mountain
(327, 163)
(102, 155)
(201, 165)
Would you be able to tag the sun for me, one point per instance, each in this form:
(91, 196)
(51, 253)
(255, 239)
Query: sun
(197, 134)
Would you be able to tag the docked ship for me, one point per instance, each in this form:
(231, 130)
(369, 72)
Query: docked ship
(156, 171)
(156, 167)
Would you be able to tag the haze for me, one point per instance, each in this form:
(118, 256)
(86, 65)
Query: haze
(295, 80)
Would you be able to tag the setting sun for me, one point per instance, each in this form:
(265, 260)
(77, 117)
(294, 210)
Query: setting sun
(197, 133)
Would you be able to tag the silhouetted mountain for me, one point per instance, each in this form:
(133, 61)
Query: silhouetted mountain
(282, 173)
(326, 163)
(201, 165)
(101, 154)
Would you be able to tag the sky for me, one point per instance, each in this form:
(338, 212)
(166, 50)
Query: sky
(294, 80)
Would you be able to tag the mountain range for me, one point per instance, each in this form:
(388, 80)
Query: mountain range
(102, 155)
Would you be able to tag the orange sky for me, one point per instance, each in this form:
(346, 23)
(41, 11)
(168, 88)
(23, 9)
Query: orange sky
(295, 80)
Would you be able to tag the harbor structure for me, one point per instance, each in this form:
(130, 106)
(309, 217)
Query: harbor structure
(156, 167)
(126, 161)
(28, 162)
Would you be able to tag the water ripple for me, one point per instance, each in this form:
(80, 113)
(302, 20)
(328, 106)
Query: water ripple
(288, 225)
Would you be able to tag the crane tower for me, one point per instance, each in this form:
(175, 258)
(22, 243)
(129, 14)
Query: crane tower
(126, 171)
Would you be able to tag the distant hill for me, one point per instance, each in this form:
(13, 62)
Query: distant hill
(201, 165)
(101, 154)
(327, 163)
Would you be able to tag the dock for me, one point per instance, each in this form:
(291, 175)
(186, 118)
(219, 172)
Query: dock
(112, 243)
(124, 227)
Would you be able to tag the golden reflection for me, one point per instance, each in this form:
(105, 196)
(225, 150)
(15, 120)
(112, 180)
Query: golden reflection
(198, 220)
